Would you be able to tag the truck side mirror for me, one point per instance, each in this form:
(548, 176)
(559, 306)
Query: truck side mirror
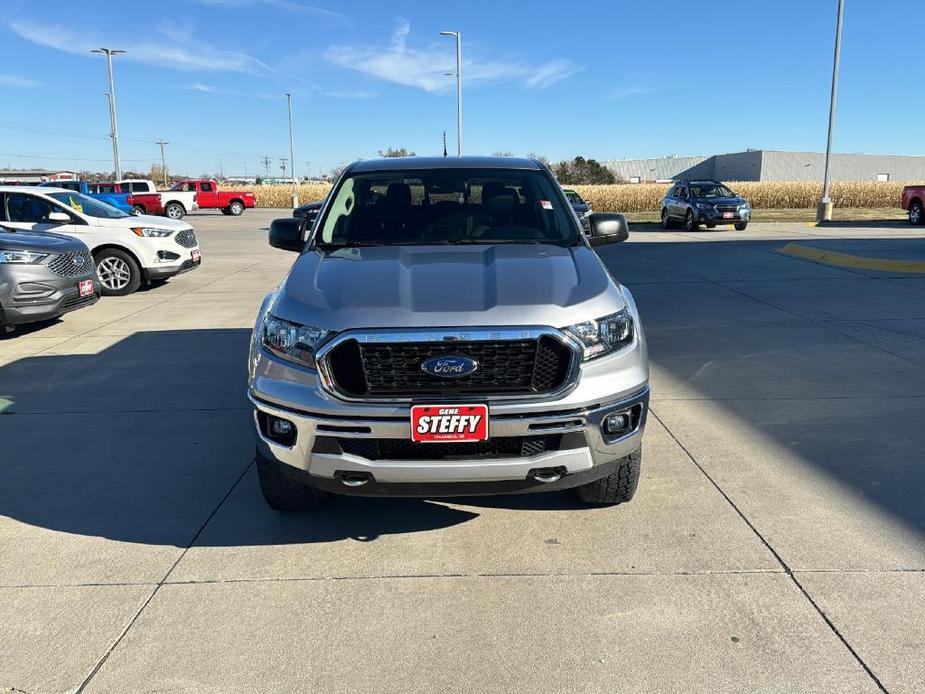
(606, 227)
(287, 234)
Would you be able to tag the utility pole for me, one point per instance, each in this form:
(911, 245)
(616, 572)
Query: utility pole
(266, 163)
(444, 143)
(824, 211)
(295, 196)
(282, 165)
(163, 143)
(458, 38)
(308, 166)
(114, 128)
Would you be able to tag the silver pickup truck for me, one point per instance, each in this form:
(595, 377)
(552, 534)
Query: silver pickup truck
(447, 330)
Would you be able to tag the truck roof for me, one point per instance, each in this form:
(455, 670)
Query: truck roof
(400, 163)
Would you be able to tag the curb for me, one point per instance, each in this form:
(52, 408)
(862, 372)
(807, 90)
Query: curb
(857, 262)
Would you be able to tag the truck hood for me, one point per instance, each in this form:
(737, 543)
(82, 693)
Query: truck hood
(447, 286)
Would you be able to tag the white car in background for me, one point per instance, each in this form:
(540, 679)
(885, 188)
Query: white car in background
(176, 202)
(128, 249)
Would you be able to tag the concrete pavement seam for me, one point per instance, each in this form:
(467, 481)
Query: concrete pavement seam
(776, 556)
(115, 644)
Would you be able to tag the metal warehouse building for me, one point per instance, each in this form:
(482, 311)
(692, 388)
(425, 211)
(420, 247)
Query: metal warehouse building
(771, 165)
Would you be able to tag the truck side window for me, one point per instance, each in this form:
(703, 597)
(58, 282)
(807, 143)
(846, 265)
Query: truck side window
(206, 187)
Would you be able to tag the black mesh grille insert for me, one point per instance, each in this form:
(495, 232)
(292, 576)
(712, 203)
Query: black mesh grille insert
(505, 367)
(405, 449)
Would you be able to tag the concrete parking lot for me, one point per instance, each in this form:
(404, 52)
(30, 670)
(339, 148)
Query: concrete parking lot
(776, 543)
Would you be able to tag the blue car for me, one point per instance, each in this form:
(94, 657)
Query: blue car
(117, 200)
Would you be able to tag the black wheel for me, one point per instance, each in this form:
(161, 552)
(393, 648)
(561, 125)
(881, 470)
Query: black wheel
(236, 208)
(741, 226)
(666, 220)
(690, 223)
(710, 226)
(119, 273)
(284, 493)
(174, 210)
(225, 211)
(916, 214)
(618, 487)
(138, 209)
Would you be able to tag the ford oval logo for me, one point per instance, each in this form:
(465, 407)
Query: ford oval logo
(449, 366)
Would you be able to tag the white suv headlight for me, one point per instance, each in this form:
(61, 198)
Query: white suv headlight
(604, 335)
(152, 232)
(293, 342)
(22, 257)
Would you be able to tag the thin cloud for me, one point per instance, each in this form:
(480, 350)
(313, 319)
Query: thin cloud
(288, 5)
(629, 91)
(17, 81)
(178, 49)
(425, 66)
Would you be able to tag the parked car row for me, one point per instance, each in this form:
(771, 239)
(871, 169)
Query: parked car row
(60, 250)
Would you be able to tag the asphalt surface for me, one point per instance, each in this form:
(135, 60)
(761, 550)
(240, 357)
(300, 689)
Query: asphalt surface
(776, 543)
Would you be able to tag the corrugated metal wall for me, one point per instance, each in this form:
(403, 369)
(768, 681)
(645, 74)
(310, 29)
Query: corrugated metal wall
(768, 165)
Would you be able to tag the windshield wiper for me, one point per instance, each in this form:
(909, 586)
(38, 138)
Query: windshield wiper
(352, 244)
(484, 242)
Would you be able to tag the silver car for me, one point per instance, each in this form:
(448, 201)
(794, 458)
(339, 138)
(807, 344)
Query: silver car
(447, 330)
(43, 275)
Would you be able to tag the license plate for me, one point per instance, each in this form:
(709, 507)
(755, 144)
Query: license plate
(85, 287)
(729, 215)
(197, 256)
(449, 423)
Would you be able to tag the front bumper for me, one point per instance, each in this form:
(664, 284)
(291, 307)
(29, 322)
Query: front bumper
(716, 217)
(30, 294)
(162, 272)
(316, 457)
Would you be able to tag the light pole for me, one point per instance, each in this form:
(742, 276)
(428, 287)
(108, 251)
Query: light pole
(295, 197)
(458, 38)
(114, 128)
(824, 211)
(162, 143)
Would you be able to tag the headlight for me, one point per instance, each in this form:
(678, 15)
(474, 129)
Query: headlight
(293, 342)
(704, 206)
(152, 232)
(605, 335)
(745, 206)
(23, 257)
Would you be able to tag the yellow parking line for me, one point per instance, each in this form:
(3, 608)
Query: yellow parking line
(857, 262)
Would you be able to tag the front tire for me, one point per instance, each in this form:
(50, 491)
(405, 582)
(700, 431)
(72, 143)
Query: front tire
(137, 210)
(236, 209)
(690, 222)
(174, 210)
(916, 214)
(741, 226)
(283, 493)
(618, 487)
(118, 272)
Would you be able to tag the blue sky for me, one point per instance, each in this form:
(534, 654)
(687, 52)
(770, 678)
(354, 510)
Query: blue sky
(606, 79)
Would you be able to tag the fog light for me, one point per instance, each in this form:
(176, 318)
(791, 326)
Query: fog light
(617, 423)
(281, 427)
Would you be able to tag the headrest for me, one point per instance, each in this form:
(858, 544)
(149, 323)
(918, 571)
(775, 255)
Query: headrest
(398, 195)
(500, 205)
(490, 190)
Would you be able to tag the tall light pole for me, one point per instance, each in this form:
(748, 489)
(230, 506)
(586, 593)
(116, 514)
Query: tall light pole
(824, 211)
(163, 160)
(295, 197)
(458, 38)
(109, 53)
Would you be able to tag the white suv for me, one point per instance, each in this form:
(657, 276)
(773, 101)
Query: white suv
(128, 250)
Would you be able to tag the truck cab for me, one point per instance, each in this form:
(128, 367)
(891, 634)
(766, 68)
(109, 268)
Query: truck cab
(117, 200)
(210, 197)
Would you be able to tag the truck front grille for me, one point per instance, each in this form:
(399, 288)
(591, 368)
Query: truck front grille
(405, 449)
(186, 238)
(505, 367)
(73, 264)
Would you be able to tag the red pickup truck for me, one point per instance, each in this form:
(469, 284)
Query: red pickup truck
(142, 203)
(210, 197)
(914, 203)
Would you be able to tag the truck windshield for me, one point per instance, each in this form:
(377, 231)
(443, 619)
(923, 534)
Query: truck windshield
(88, 206)
(441, 206)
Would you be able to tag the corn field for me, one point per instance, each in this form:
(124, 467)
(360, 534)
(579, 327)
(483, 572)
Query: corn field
(647, 197)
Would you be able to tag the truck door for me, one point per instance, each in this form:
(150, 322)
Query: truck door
(207, 194)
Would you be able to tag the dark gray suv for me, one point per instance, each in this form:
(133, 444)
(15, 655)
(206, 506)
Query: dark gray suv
(692, 203)
(43, 275)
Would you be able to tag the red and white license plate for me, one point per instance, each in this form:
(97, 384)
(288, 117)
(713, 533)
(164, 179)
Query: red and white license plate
(449, 423)
(729, 215)
(197, 256)
(85, 287)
